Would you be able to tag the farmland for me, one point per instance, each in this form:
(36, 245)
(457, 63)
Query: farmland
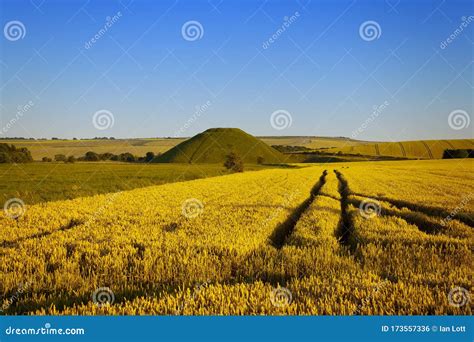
(355, 238)
(428, 149)
(77, 148)
(422, 149)
(42, 182)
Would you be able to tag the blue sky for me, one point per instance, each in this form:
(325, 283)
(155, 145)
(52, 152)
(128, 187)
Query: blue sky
(319, 70)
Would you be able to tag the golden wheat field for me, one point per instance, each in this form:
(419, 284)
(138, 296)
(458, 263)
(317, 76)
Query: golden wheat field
(385, 238)
(420, 149)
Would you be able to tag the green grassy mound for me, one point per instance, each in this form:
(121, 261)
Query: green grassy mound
(212, 146)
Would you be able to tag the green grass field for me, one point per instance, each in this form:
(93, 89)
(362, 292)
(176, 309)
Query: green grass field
(40, 182)
(429, 149)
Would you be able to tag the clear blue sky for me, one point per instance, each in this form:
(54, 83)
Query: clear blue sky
(319, 69)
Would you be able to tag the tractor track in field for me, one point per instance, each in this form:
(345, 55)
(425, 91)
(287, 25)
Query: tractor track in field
(284, 230)
(345, 228)
(447, 142)
(15, 243)
(404, 153)
(428, 149)
(422, 223)
(432, 212)
(377, 150)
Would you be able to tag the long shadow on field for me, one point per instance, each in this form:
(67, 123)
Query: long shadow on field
(424, 209)
(14, 243)
(419, 219)
(281, 233)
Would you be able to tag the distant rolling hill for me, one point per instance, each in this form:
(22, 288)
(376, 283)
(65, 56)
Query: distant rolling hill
(212, 146)
(419, 149)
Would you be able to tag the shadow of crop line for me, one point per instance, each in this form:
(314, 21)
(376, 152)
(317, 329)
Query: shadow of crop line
(14, 243)
(419, 219)
(284, 230)
(427, 210)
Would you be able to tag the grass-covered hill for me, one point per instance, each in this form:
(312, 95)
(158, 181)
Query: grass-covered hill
(214, 144)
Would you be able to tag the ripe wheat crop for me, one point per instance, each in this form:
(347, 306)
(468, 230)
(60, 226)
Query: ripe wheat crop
(367, 238)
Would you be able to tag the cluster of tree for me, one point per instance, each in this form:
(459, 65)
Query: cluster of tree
(452, 154)
(16, 138)
(12, 154)
(55, 138)
(234, 162)
(93, 157)
(60, 157)
(289, 149)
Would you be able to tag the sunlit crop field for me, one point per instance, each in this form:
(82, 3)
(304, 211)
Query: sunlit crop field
(420, 149)
(372, 238)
